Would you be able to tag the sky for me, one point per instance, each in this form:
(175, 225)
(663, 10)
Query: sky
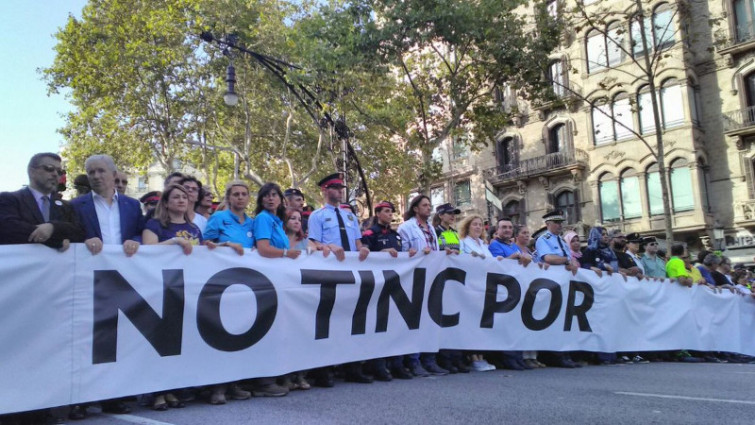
(29, 119)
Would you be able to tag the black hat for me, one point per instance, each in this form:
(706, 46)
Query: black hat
(335, 179)
(150, 197)
(384, 204)
(648, 240)
(293, 192)
(634, 237)
(447, 208)
(555, 215)
(81, 180)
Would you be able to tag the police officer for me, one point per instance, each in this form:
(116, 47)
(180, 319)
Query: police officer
(332, 228)
(552, 249)
(550, 246)
(381, 237)
(445, 217)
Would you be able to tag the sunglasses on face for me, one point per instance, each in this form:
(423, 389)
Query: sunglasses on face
(50, 169)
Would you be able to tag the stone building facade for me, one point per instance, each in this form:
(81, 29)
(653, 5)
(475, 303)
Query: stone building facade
(578, 154)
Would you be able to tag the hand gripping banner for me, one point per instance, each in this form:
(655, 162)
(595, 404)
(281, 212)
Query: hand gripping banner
(80, 328)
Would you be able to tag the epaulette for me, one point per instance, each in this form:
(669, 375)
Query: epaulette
(548, 235)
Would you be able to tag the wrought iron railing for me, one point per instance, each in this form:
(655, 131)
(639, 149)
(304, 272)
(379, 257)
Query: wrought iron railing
(740, 119)
(538, 165)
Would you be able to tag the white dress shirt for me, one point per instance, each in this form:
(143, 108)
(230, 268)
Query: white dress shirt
(109, 217)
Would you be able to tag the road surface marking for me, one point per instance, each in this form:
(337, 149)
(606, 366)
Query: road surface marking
(138, 420)
(681, 397)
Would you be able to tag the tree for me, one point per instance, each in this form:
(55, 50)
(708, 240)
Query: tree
(446, 58)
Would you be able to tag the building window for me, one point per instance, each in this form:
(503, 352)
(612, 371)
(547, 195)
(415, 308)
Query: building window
(681, 186)
(557, 140)
(655, 193)
(614, 44)
(552, 7)
(672, 104)
(557, 78)
(513, 211)
(460, 150)
(596, 51)
(508, 154)
(663, 26)
(462, 193)
(631, 205)
(659, 34)
(613, 121)
(602, 123)
(141, 183)
(566, 202)
(744, 20)
(610, 208)
(437, 196)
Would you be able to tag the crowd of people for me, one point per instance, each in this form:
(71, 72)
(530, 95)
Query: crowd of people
(184, 214)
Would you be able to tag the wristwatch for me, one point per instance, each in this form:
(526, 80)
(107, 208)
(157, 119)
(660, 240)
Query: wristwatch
(285, 251)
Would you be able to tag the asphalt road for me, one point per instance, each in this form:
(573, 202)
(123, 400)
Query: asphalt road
(662, 393)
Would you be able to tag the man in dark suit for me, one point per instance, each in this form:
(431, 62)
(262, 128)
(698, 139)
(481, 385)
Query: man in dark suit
(33, 215)
(107, 216)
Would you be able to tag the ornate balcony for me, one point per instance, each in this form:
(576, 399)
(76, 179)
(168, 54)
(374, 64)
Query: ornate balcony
(550, 164)
(739, 122)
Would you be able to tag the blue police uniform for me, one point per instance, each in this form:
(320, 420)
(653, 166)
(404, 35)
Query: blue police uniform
(550, 244)
(323, 227)
(224, 226)
(379, 237)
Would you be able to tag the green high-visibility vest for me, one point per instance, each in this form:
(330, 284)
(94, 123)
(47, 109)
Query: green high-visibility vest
(448, 238)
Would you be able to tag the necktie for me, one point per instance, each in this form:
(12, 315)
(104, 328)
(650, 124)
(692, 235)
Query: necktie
(558, 238)
(46, 208)
(342, 227)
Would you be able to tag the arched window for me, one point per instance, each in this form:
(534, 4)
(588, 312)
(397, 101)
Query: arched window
(631, 204)
(681, 186)
(663, 26)
(557, 78)
(623, 122)
(566, 201)
(672, 104)
(645, 106)
(557, 141)
(513, 211)
(508, 154)
(744, 19)
(659, 30)
(749, 83)
(655, 194)
(613, 121)
(610, 208)
(602, 123)
(596, 51)
(614, 43)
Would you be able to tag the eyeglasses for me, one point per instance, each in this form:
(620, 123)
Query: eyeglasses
(50, 169)
(124, 181)
(652, 244)
(191, 189)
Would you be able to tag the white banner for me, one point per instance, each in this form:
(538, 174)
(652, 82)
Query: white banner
(79, 328)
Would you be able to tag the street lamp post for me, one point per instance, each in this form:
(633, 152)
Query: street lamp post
(278, 68)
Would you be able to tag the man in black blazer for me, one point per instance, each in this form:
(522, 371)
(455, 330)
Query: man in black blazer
(33, 215)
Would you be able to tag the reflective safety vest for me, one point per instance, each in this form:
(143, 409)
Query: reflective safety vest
(448, 238)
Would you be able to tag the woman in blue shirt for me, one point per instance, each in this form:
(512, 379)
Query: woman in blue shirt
(269, 234)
